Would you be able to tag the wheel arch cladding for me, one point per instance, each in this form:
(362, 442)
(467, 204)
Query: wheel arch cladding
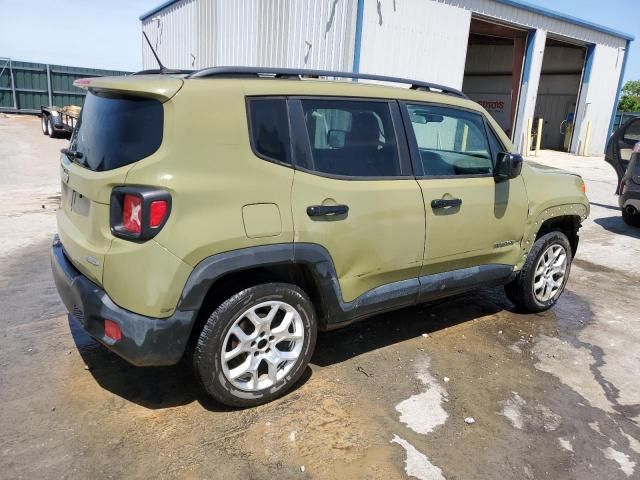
(307, 266)
(565, 218)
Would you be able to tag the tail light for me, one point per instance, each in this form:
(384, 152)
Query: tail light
(138, 213)
(622, 185)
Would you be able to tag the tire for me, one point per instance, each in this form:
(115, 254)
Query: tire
(44, 121)
(631, 219)
(272, 356)
(537, 296)
(51, 131)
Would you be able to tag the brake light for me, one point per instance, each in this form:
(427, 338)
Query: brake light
(157, 213)
(132, 214)
(138, 213)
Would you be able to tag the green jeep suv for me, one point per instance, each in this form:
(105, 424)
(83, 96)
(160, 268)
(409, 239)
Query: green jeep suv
(228, 215)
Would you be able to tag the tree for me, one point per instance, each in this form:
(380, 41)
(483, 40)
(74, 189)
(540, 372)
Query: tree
(630, 97)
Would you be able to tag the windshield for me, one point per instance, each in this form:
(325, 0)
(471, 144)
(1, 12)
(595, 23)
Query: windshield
(116, 130)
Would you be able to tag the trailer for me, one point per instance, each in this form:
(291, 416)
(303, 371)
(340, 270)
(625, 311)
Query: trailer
(59, 121)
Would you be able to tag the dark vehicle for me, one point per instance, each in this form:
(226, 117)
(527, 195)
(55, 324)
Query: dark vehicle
(623, 153)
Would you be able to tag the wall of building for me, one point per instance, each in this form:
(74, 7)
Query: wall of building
(598, 101)
(406, 39)
(288, 33)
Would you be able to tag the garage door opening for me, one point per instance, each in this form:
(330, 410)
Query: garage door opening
(493, 69)
(558, 92)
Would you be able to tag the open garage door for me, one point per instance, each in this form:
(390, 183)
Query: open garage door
(493, 69)
(558, 92)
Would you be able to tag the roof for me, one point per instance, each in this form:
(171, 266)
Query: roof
(513, 3)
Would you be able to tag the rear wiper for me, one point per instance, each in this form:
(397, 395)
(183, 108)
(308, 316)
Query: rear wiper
(72, 153)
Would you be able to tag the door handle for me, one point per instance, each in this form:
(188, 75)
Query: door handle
(327, 210)
(442, 203)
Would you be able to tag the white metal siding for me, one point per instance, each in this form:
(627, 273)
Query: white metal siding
(418, 39)
(533, 20)
(278, 33)
(596, 104)
(529, 90)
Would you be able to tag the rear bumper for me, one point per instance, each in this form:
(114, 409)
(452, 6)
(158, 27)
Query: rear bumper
(145, 341)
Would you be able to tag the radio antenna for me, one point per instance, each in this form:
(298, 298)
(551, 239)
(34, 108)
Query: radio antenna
(163, 69)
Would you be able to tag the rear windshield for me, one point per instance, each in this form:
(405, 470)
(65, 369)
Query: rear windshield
(114, 131)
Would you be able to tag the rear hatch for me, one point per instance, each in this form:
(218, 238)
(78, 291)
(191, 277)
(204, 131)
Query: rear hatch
(121, 123)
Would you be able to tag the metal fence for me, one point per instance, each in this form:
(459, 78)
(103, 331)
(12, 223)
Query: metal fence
(622, 117)
(26, 86)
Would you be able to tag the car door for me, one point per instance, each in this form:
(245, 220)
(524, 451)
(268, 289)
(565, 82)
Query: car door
(471, 219)
(620, 146)
(353, 191)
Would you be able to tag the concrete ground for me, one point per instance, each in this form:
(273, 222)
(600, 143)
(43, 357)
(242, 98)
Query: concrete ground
(552, 396)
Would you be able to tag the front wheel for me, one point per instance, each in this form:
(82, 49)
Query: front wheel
(256, 344)
(544, 274)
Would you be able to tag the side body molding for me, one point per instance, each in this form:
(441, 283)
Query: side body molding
(317, 261)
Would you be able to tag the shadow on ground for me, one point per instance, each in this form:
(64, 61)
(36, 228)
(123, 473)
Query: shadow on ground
(165, 387)
(615, 224)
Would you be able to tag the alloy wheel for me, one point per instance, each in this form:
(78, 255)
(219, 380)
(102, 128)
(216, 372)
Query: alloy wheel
(550, 273)
(262, 345)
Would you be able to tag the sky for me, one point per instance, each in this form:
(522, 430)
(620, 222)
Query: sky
(106, 34)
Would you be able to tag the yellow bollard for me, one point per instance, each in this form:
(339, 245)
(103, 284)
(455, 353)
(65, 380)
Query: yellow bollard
(465, 136)
(539, 136)
(527, 149)
(587, 139)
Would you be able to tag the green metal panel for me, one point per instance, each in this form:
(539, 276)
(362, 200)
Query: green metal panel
(31, 86)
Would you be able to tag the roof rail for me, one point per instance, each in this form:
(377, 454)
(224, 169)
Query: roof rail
(168, 71)
(267, 72)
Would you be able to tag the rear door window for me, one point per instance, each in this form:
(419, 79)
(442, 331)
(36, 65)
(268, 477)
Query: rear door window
(115, 130)
(269, 126)
(351, 138)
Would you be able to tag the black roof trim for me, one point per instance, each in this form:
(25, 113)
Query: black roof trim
(166, 71)
(267, 72)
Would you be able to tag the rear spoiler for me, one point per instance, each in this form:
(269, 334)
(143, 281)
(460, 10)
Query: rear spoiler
(160, 87)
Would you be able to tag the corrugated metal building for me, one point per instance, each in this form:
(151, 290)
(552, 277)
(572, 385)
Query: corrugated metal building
(522, 62)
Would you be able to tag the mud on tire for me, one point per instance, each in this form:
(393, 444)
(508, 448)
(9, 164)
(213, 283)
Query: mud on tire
(521, 291)
(246, 322)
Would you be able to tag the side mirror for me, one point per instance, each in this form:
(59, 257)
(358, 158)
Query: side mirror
(336, 138)
(508, 166)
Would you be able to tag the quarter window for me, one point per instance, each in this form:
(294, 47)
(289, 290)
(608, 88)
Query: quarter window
(270, 129)
(351, 138)
(450, 141)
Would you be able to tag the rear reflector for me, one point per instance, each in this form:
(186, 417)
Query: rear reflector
(132, 213)
(112, 330)
(157, 213)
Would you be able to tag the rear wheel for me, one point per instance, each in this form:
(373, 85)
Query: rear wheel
(44, 121)
(256, 344)
(631, 219)
(544, 274)
(50, 130)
